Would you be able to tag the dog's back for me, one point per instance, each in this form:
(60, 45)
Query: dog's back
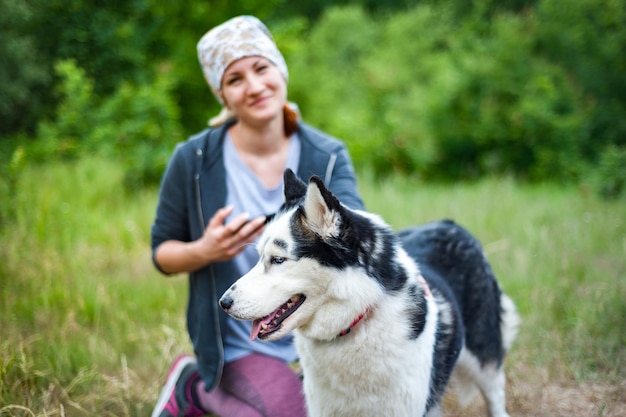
(446, 250)
(453, 254)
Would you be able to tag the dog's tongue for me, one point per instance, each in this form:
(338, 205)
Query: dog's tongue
(256, 326)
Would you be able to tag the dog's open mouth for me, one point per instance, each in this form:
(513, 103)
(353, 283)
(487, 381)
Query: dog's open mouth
(262, 328)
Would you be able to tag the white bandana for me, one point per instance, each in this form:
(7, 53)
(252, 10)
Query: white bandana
(234, 39)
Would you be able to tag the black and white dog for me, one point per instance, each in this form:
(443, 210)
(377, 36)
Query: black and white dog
(381, 320)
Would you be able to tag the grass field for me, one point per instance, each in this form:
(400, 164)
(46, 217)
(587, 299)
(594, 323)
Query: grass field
(87, 327)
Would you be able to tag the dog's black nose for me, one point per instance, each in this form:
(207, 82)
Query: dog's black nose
(226, 302)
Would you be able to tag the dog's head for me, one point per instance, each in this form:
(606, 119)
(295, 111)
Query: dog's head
(309, 275)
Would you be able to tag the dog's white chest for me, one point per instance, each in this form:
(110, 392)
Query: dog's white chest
(368, 375)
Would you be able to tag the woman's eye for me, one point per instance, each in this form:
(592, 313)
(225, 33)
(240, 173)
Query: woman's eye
(277, 260)
(232, 81)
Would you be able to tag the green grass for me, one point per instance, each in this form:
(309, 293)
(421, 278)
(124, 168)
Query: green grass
(560, 253)
(89, 328)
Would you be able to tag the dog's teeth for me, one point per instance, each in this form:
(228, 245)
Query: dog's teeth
(289, 305)
(283, 310)
(295, 298)
(263, 326)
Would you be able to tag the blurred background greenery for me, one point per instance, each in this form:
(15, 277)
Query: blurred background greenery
(439, 90)
(507, 116)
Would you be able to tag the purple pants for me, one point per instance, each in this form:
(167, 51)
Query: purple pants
(255, 386)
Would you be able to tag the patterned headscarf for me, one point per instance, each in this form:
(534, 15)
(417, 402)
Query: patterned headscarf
(234, 39)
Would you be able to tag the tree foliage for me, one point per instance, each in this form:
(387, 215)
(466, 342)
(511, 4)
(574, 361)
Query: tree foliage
(139, 124)
(454, 102)
(443, 90)
(22, 72)
(588, 39)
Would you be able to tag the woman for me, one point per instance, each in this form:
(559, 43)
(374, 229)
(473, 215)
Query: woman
(214, 196)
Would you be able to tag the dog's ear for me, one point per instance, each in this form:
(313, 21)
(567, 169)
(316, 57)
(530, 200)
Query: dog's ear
(295, 189)
(322, 209)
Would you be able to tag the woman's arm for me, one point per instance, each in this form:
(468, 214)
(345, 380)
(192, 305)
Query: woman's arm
(220, 242)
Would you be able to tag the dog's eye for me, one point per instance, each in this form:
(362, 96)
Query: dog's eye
(277, 260)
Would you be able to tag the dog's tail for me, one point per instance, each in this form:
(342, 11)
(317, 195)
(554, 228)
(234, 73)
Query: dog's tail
(509, 321)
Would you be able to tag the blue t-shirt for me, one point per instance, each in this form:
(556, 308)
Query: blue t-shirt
(247, 194)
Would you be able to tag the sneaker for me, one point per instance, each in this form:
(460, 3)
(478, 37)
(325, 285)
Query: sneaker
(175, 399)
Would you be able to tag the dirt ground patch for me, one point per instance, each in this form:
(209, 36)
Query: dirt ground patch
(529, 393)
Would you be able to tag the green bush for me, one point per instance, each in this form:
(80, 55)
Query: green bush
(10, 171)
(504, 110)
(587, 38)
(21, 73)
(138, 124)
(425, 93)
(609, 178)
(327, 79)
(74, 115)
(441, 90)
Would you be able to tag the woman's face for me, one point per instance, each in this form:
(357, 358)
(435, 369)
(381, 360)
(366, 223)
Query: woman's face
(254, 89)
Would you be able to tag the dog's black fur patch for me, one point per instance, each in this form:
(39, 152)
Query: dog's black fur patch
(451, 252)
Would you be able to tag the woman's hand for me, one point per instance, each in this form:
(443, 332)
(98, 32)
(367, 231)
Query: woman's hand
(223, 241)
(219, 242)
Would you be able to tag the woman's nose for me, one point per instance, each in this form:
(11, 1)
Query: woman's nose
(255, 84)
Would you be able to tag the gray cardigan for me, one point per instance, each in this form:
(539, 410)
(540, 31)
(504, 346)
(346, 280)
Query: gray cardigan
(193, 188)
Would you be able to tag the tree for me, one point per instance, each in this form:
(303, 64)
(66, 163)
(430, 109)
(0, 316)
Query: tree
(22, 74)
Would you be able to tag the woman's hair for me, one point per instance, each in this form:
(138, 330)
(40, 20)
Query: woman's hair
(290, 122)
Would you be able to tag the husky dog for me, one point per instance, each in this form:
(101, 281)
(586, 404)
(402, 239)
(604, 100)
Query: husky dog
(381, 320)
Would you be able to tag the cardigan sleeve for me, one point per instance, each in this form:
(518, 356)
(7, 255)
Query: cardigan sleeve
(172, 213)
